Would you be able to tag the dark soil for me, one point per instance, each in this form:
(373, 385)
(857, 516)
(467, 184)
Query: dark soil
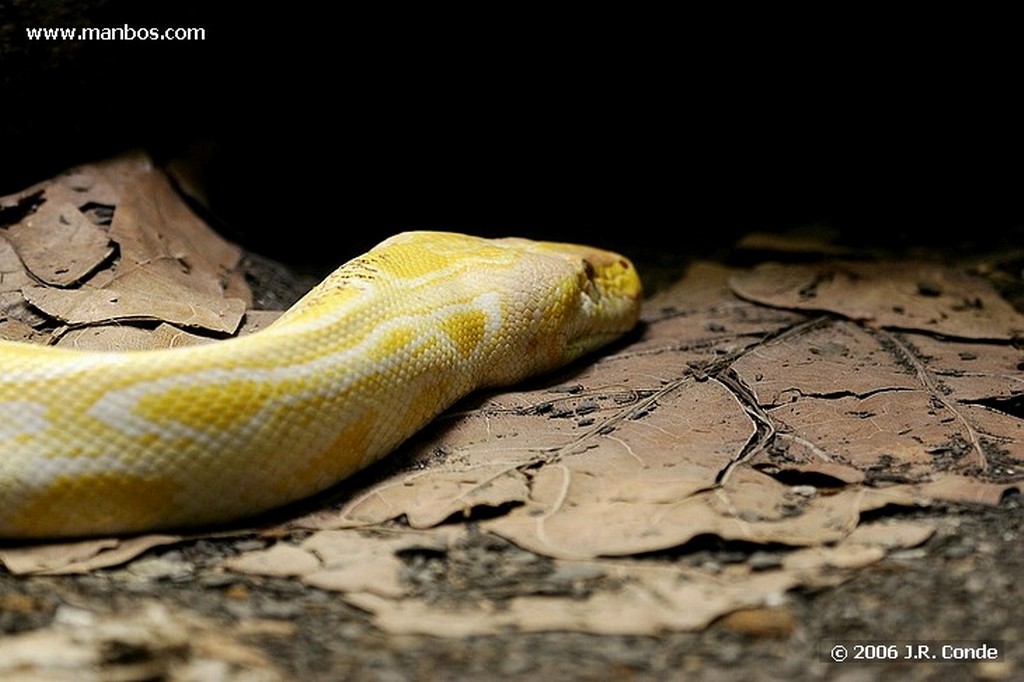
(961, 587)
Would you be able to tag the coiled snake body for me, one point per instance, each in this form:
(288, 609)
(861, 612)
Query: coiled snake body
(110, 443)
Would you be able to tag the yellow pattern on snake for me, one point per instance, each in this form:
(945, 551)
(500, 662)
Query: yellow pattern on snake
(111, 443)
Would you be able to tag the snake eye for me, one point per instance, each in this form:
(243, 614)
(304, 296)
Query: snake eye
(588, 270)
(588, 281)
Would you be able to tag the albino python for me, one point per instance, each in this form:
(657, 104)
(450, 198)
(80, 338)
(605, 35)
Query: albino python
(111, 443)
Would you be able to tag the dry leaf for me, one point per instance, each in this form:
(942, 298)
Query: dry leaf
(59, 245)
(873, 400)
(911, 295)
(343, 561)
(817, 239)
(279, 561)
(699, 427)
(649, 600)
(171, 266)
(638, 598)
(62, 558)
(646, 598)
(13, 330)
(158, 234)
(13, 278)
(127, 338)
(102, 306)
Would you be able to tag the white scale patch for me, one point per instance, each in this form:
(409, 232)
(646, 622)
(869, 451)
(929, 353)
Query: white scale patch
(20, 417)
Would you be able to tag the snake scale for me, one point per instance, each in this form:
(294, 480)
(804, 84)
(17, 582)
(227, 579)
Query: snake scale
(95, 443)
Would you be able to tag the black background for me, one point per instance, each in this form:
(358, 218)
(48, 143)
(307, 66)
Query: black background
(327, 130)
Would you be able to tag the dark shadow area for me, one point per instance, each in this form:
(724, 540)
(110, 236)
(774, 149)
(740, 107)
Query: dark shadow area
(318, 135)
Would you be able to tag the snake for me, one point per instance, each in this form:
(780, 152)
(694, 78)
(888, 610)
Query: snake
(98, 443)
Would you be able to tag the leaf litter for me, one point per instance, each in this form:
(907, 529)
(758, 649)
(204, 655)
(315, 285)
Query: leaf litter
(779, 408)
(110, 246)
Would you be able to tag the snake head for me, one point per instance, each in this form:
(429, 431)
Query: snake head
(593, 297)
(519, 306)
(608, 294)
